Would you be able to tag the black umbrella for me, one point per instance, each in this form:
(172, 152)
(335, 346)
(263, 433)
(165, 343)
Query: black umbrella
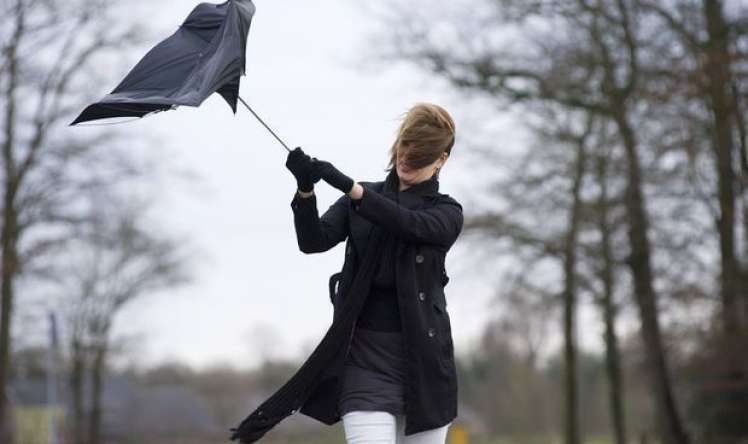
(205, 55)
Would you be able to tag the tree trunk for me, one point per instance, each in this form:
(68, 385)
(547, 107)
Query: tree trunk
(6, 291)
(77, 373)
(97, 377)
(612, 356)
(717, 72)
(8, 237)
(731, 373)
(740, 124)
(572, 433)
(669, 422)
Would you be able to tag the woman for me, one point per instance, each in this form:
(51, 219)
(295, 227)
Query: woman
(386, 364)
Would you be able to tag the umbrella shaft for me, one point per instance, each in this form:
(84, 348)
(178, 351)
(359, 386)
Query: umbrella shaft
(264, 124)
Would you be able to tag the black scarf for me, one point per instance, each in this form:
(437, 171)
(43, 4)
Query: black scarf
(291, 395)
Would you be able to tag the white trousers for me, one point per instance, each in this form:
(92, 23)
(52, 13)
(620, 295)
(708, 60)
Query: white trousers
(377, 427)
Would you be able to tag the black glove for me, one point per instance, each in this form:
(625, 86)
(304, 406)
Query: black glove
(300, 164)
(331, 175)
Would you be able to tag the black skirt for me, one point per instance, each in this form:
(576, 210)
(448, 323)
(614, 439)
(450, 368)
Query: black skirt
(374, 373)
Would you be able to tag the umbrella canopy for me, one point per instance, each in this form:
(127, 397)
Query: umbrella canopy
(205, 55)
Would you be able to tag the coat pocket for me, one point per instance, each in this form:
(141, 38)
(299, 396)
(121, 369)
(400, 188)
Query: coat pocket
(446, 346)
(441, 315)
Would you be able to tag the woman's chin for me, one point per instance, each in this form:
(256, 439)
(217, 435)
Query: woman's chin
(404, 178)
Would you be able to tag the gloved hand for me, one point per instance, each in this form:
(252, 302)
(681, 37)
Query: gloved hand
(300, 165)
(331, 175)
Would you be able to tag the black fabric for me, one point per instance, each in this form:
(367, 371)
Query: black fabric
(381, 311)
(375, 369)
(375, 373)
(384, 277)
(205, 55)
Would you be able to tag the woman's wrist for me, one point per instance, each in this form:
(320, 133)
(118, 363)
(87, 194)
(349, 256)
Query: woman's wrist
(357, 191)
(305, 193)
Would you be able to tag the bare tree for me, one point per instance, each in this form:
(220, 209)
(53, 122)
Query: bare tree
(560, 158)
(46, 52)
(583, 56)
(114, 260)
(606, 275)
(704, 64)
(570, 287)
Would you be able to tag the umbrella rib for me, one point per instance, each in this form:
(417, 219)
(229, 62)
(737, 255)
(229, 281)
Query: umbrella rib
(264, 124)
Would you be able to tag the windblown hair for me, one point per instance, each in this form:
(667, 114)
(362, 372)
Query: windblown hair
(427, 130)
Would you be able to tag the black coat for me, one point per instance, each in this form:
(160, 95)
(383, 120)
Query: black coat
(426, 224)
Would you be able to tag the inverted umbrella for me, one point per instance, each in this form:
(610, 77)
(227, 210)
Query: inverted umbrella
(205, 55)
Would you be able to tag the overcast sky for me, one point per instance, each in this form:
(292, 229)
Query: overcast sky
(254, 293)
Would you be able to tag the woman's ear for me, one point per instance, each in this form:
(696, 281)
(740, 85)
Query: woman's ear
(443, 159)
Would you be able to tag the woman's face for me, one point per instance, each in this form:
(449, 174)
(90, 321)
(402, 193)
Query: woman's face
(410, 176)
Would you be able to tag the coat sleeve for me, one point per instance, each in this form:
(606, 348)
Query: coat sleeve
(439, 225)
(316, 234)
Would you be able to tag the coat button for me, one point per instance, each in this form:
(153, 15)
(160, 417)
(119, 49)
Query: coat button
(421, 295)
(419, 258)
(431, 332)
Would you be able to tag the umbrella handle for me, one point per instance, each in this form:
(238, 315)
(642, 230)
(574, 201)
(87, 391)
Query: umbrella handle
(268, 128)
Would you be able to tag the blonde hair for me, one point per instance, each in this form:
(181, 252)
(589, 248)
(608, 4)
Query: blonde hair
(427, 130)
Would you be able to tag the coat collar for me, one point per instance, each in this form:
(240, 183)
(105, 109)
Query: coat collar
(428, 187)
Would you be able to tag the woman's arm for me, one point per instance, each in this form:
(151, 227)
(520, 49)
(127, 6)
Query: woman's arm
(316, 234)
(439, 225)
